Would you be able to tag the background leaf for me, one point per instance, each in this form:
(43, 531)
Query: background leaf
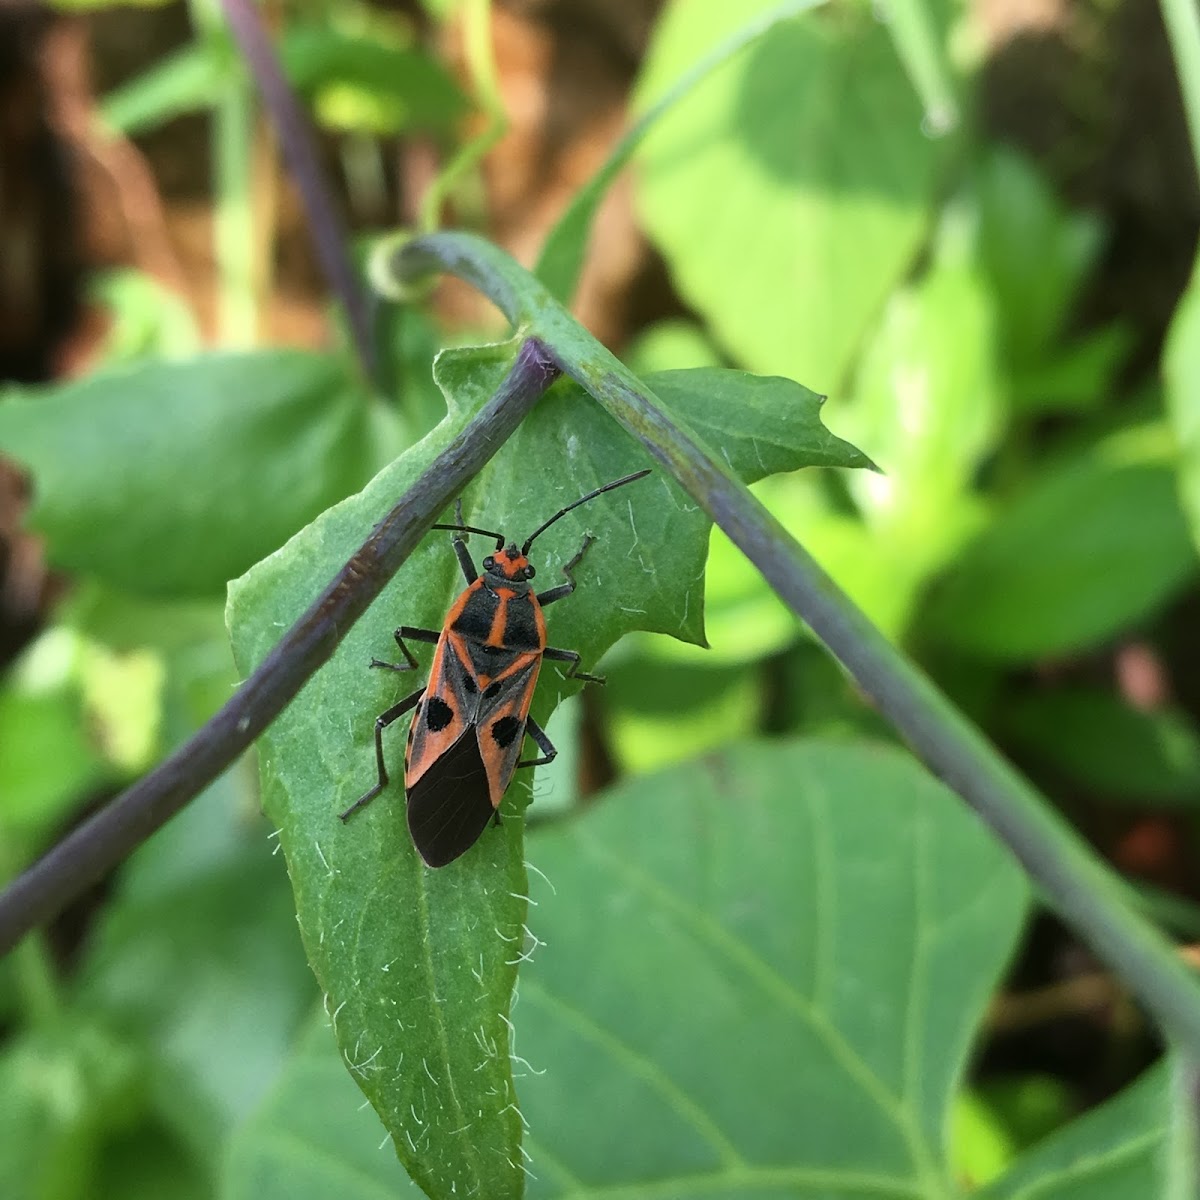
(166, 478)
(1093, 546)
(812, 139)
(312, 1138)
(403, 87)
(190, 959)
(1181, 368)
(1096, 739)
(1035, 253)
(1112, 1153)
(832, 922)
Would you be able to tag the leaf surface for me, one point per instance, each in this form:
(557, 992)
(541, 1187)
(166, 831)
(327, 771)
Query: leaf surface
(169, 478)
(761, 975)
(791, 188)
(418, 965)
(1087, 550)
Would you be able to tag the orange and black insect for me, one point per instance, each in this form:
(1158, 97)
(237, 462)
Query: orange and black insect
(472, 716)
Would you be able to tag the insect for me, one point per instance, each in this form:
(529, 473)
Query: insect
(471, 718)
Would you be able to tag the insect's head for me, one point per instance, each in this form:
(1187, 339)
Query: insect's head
(509, 563)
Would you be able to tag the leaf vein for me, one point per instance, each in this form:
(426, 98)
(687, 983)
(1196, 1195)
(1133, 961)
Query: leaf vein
(644, 1068)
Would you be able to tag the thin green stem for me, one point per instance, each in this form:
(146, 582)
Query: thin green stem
(236, 250)
(234, 246)
(481, 64)
(561, 257)
(1182, 1157)
(1182, 19)
(1074, 881)
(330, 239)
(37, 983)
(915, 36)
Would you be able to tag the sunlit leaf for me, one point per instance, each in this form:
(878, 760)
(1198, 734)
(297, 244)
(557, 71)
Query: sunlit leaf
(171, 478)
(791, 189)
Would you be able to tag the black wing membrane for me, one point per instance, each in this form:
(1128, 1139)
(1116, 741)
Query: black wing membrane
(450, 805)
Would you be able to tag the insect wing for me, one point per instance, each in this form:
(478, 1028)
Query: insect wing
(500, 728)
(450, 804)
(444, 714)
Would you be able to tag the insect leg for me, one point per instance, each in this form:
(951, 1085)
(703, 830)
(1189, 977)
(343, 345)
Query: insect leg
(572, 657)
(565, 589)
(545, 745)
(410, 663)
(392, 715)
(459, 542)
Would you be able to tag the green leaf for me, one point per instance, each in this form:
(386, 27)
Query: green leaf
(659, 712)
(1096, 739)
(404, 87)
(927, 407)
(1036, 254)
(199, 961)
(982, 1147)
(561, 258)
(77, 6)
(63, 1089)
(1113, 1153)
(742, 995)
(1181, 369)
(189, 79)
(668, 345)
(1077, 378)
(812, 141)
(1089, 549)
(48, 763)
(761, 425)
(763, 971)
(171, 478)
(419, 965)
(312, 1138)
(148, 319)
(148, 1164)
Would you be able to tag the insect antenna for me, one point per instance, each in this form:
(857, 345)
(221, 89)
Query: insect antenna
(472, 529)
(562, 512)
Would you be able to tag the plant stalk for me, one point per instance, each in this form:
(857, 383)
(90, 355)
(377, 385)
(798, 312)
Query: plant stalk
(104, 840)
(1090, 897)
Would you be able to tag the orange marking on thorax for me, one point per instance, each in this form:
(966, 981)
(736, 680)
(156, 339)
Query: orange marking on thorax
(499, 622)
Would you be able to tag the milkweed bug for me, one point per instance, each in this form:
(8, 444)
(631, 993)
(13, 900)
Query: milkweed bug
(472, 716)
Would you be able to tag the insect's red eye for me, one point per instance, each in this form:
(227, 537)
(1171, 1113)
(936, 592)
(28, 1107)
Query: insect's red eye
(530, 572)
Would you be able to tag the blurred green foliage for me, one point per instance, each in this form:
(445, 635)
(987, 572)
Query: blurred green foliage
(755, 966)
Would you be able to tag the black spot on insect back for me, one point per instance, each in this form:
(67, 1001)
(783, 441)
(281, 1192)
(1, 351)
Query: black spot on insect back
(438, 714)
(504, 730)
